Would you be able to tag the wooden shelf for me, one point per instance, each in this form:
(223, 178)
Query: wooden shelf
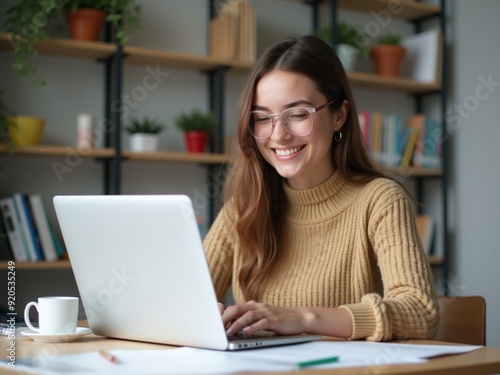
(57, 265)
(183, 157)
(376, 81)
(404, 9)
(66, 48)
(175, 157)
(45, 150)
(137, 55)
(148, 56)
(161, 156)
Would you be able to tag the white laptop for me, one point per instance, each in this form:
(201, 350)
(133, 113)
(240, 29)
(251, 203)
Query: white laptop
(142, 273)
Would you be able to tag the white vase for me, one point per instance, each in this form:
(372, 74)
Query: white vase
(142, 142)
(348, 55)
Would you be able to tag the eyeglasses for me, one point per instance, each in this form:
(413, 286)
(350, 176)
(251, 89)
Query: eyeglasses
(297, 121)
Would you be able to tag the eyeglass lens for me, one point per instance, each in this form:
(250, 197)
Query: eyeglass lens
(297, 121)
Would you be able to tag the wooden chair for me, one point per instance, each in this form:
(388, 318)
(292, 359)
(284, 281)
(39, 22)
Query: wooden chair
(463, 320)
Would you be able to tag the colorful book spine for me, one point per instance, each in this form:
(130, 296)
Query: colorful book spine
(33, 247)
(42, 224)
(12, 224)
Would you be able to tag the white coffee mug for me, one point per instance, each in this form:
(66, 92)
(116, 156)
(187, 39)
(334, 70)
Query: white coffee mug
(56, 315)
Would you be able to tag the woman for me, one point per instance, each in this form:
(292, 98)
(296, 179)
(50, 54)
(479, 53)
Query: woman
(312, 237)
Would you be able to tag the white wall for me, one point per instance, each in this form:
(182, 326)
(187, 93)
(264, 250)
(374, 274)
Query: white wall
(475, 132)
(75, 86)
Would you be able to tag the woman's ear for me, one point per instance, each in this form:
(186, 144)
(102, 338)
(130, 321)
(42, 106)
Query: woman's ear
(340, 116)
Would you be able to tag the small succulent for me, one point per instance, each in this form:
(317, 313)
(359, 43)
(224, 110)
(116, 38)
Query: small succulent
(196, 120)
(390, 38)
(146, 125)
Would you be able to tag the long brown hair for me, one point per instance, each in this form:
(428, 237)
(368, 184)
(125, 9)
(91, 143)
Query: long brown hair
(255, 189)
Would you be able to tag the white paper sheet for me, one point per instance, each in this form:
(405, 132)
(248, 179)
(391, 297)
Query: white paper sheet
(199, 361)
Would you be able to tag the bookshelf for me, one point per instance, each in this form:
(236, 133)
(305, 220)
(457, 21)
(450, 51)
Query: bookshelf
(216, 68)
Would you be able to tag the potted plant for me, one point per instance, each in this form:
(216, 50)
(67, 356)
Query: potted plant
(351, 42)
(122, 14)
(197, 127)
(388, 55)
(25, 33)
(144, 134)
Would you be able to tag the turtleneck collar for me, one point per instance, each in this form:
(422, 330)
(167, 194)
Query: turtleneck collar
(322, 201)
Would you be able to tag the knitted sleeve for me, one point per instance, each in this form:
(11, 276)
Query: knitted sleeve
(408, 307)
(219, 248)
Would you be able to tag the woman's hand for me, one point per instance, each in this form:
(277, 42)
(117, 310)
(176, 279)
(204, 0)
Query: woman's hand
(221, 307)
(253, 316)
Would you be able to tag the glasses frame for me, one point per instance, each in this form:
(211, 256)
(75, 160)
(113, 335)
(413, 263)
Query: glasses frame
(272, 116)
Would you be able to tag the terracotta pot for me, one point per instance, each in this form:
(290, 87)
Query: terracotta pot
(388, 59)
(85, 24)
(196, 141)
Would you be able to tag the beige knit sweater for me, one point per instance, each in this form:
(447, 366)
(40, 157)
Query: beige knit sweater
(354, 247)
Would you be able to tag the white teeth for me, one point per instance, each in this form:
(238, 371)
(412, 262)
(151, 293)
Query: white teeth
(288, 151)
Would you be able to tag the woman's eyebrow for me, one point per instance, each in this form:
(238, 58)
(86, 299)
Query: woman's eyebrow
(289, 105)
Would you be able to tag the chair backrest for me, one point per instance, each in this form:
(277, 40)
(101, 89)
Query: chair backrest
(463, 320)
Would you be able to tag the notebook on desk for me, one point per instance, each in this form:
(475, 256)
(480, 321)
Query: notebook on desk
(142, 274)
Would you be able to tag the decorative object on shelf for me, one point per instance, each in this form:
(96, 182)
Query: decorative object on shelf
(84, 131)
(144, 134)
(233, 32)
(351, 42)
(388, 55)
(423, 56)
(85, 23)
(197, 127)
(26, 130)
(124, 15)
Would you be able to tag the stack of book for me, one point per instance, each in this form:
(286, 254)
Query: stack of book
(397, 143)
(25, 232)
(233, 34)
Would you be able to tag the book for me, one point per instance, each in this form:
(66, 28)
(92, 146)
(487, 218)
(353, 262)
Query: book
(418, 121)
(410, 139)
(432, 144)
(377, 136)
(12, 224)
(423, 56)
(5, 248)
(233, 32)
(42, 224)
(425, 229)
(59, 248)
(34, 250)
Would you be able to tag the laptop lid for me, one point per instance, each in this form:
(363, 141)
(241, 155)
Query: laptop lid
(141, 271)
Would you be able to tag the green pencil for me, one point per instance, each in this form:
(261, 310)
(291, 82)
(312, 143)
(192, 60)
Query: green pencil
(317, 362)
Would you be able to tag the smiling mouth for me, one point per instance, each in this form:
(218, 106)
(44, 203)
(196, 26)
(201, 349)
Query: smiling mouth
(288, 151)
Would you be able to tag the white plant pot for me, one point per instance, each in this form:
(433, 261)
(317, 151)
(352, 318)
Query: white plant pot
(142, 142)
(348, 56)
